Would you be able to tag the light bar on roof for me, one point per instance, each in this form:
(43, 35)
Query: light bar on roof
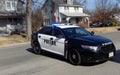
(62, 24)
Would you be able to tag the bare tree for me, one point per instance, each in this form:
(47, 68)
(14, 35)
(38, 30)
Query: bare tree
(28, 19)
(103, 11)
(117, 6)
(37, 19)
(29, 7)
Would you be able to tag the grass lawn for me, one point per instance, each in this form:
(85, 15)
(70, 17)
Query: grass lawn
(12, 40)
(104, 29)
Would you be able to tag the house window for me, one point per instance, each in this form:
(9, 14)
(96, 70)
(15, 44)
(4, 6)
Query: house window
(66, 8)
(8, 5)
(76, 8)
(11, 5)
(14, 5)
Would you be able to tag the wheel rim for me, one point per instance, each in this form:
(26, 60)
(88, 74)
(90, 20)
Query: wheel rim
(74, 57)
(36, 48)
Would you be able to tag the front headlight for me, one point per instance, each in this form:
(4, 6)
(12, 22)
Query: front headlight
(92, 48)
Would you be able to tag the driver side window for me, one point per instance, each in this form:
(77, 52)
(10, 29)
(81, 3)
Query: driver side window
(46, 30)
(58, 33)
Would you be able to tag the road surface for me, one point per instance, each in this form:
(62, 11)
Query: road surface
(20, 60)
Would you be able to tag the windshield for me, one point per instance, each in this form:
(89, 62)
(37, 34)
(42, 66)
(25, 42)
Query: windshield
(76, 31)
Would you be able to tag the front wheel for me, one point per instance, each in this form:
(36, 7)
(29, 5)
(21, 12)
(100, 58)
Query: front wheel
(74, 57)
(37, 48)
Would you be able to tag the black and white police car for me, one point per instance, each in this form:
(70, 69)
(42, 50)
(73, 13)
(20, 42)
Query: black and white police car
(74, 43)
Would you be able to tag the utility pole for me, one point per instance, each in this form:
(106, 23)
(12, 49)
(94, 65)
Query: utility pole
(28, 19)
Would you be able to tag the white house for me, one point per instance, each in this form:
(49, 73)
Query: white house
(117, 17)
(12, 15)
(59, 11)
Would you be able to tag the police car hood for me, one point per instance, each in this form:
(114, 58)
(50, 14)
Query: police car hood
(92, 40)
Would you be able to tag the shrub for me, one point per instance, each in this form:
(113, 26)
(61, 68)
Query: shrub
(114, 22)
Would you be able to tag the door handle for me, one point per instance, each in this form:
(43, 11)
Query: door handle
(51, 38)
(39, 36)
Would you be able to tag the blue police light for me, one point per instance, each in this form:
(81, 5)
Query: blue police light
(61, 24)
(56, 25)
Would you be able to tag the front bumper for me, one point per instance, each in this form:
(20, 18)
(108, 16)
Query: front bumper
(89, 57)
(104, 53)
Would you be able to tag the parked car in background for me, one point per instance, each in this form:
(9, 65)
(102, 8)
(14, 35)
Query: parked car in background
(99, 24)
(106, 24)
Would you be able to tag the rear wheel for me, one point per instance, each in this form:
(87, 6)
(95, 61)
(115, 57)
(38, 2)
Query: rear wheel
(37, 48)
(74, 57)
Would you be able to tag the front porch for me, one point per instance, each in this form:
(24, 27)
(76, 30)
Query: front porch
(10, 24)
(80, 19)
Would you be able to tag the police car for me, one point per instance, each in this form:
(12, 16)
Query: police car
(74, 43)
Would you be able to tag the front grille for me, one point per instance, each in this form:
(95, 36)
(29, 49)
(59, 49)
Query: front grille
(107, 48)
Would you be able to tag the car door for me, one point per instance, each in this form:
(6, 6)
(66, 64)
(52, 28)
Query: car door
(57, 40)
(44, 38)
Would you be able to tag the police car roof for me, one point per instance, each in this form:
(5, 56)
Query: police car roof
(62, 26)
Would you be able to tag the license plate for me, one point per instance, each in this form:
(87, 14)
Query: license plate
(111, 54)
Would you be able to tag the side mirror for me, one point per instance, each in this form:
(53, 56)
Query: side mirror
(92, 32)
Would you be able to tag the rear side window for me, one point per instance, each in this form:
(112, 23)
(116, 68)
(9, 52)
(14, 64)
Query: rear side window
(46, 30)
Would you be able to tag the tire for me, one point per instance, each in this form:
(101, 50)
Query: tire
(37, 48)
(74, 57)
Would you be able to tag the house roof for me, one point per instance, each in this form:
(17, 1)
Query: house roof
(69, 5)
(64, 2)
(23, 1)
(10, 14)
(75, 14)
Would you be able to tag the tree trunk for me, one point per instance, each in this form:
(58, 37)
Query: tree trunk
(28, 21)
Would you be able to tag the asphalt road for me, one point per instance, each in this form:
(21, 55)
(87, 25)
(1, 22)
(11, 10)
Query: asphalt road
(20, 60)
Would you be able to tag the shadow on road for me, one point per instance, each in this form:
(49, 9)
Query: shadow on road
(30, 50)
(61, 58)
(116, 59)
(48, 54)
